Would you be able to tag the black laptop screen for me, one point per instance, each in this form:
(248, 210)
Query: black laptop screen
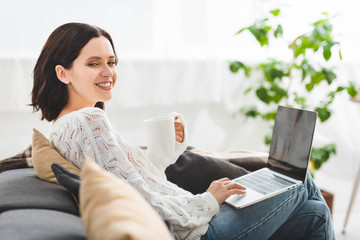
(291, 141)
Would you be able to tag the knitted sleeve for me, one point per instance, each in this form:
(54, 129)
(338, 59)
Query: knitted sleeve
(88, 133)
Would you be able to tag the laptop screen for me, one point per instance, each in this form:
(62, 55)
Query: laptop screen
(291, 141)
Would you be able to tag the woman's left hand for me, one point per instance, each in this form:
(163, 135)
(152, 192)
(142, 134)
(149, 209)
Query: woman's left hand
(179, 131)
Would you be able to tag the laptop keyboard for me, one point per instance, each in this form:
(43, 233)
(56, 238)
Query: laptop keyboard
(264, 182)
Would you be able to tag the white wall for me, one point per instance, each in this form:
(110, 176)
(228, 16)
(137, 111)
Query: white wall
(173, 58)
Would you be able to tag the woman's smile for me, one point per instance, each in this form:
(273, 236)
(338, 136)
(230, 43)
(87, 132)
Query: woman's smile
(105, 85)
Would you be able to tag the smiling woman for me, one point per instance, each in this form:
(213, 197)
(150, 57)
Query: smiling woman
(74, 52)
(76, 71)
(91, 76)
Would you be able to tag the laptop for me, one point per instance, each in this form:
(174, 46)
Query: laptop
(288, 159)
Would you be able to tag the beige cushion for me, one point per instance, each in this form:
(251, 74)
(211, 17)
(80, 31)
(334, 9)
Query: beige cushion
(44, 155)
(112, 209)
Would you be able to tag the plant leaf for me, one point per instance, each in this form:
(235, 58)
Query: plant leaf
(321, 155)
(275, 12)
(263, 95)
(269, 116)
(323, 113)
(279, 31)
(327, 50)
(235, 66)
(351, 90)
(260, 31)
(267, 139)
(279, 93)
(309, 87)
(251, 112)
(340, 89)
(329, 75)
(326, 53)
(240, 31)
(247, 90)
(247, 71)
(300, 100)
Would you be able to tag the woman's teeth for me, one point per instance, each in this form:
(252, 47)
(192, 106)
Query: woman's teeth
(104, 84)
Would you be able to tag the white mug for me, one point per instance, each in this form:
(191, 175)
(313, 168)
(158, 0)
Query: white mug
(160, 135)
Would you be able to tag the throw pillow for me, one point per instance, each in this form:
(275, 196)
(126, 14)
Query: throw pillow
(44, 155)
(67, 179)
(112, 209)
(195, 172)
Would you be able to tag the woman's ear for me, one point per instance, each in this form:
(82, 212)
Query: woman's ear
(61, 74)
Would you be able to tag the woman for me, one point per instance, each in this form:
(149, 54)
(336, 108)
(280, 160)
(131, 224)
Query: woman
(74, 76)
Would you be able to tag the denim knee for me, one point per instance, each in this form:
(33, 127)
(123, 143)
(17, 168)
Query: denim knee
(322, 210)
(311, 221)
(318, 209)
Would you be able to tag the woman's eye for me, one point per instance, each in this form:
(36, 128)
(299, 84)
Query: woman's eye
(93, 64)
(112, 63)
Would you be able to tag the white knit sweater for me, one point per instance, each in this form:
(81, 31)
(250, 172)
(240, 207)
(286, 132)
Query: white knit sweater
(88, 133)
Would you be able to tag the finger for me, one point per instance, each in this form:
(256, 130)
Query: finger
(234, 185)
(179, 139)
(179, 126)
(236, 191)
(228, 181)
(179, 130)
(224, 179)
(179, 134)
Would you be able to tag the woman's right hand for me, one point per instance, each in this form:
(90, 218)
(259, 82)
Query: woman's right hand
(223, 188)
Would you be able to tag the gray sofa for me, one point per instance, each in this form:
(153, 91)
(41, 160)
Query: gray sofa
(34, 209)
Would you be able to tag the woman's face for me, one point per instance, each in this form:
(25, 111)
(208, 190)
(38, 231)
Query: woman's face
(92, 75)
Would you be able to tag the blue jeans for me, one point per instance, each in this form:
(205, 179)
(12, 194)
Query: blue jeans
(300, 213)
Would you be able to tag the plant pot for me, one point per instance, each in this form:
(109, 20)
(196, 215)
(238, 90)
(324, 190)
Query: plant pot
(329, 199)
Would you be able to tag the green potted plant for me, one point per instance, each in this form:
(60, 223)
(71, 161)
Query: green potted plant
(294, 82)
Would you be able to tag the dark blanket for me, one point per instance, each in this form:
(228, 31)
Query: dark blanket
(195, 172)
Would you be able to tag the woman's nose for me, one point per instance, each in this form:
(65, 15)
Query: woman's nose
(107, 71)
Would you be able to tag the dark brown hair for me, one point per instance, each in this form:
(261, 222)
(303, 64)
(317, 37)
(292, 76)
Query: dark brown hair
(63, 46)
